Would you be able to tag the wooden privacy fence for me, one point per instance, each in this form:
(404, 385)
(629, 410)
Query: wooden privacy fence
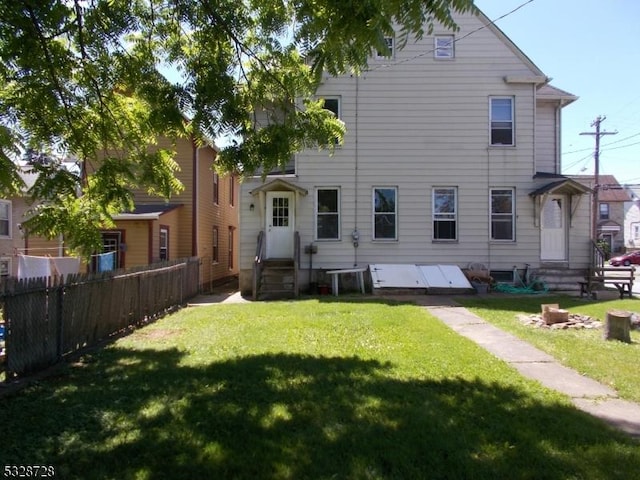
(46, 319)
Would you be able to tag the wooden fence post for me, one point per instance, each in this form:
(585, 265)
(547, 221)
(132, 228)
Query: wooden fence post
(618, 326)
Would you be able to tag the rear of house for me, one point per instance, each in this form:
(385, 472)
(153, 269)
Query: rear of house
(452, 156)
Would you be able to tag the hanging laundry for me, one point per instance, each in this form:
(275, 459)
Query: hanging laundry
(33, 267)
(65, 265)
(106, 261)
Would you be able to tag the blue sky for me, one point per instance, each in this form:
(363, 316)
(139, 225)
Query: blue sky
(590, 48)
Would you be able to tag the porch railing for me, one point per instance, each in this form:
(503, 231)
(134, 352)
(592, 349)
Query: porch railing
(598, 255)
(258, 264)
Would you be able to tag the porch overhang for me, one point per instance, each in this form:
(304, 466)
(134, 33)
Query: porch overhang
(562, 186)
(279, 185)
(146, 212)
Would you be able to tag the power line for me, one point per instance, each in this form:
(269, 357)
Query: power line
(596, 157)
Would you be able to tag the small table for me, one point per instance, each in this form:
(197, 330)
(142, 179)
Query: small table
(334, 278)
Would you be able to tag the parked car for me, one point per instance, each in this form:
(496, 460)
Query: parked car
(631, 258)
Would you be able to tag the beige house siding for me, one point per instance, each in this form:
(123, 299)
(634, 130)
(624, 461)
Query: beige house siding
(416, 123)
(136, 241)
(547, 141)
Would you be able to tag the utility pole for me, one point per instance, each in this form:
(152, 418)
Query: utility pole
(596, 157)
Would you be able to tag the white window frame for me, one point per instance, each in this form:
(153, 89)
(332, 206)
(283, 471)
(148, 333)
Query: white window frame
(635, 229)
(511, 216)
(5, 266)
(375, 214)
(318, 214)
(163, 243)
(604, 208)
(9, 209)
(511, 121)
(391, 45)
(444, 47)
(444, 216)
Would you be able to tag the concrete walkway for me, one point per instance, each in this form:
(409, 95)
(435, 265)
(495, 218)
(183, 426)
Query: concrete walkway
(585, 393)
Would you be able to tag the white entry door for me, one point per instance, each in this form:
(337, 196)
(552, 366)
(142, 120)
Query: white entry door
(553, 242)
(280, 224)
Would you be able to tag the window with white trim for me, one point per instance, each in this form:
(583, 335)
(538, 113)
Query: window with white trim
(385, 213)
(328, 213)
(5, 218)
(386, 55)
(443, 47)
(502, 214)
(445, 213)
(604, 211)
(5, 266)
(501, 121)
(164, 243)
(636, 232)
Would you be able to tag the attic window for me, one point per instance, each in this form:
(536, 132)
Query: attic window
(443, 47)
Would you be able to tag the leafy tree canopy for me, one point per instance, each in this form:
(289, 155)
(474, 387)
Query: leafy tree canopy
(83, 79)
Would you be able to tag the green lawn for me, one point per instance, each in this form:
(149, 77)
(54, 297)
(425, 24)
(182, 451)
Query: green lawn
(308, 389)
(613, 363)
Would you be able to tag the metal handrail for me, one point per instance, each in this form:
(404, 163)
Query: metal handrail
(598, 255)
(258, 264)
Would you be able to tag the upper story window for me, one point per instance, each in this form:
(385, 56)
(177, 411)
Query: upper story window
(604, 211)
(501, 121)
(445, 213)
(333, 105)
(328, 213)
(502, 222)
(232, 190)
(385, 213)
(216, 188)
(385, 55)
(5, 218)
(443, 47)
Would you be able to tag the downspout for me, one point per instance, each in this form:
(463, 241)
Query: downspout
(355, 235)
(535, 128)
(194, 200)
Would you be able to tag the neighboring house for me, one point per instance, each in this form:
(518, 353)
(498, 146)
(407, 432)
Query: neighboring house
(201, 221)
(632, 218)
(14, 240)
(610, 215)
(452, 156)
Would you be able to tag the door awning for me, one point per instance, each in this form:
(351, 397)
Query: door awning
(566, 186)
(279, 185)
